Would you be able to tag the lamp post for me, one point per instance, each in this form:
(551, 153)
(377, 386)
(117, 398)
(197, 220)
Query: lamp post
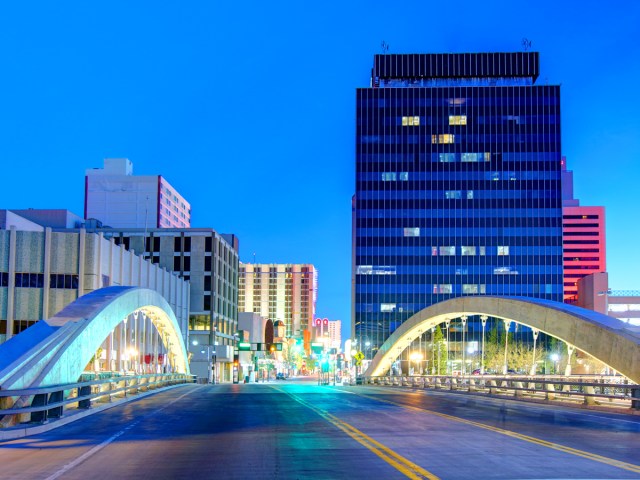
(416, 357)
(554, 358)
(209, 359)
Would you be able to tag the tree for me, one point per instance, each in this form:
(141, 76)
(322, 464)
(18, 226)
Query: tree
(439, 352)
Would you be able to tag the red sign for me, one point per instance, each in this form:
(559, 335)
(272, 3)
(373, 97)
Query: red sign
(318, 322)
(326, 321)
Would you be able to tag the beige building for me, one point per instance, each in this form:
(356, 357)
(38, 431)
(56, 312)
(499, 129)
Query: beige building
(285, 292)
(42, 271)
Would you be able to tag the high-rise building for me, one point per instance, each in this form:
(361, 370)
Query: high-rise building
(116, 197)
(335, 335)
(458, 186)
(285, 292)
(583, 238)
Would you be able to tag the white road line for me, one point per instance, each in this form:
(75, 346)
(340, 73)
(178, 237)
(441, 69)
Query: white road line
(99, 447)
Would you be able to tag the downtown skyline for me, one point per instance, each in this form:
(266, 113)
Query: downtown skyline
(250, 114)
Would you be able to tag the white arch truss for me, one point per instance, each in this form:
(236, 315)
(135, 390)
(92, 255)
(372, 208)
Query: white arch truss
(605, 338)
(56, 351)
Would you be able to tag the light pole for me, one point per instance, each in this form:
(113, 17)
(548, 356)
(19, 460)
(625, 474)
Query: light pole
(483, 318)
(209, 359)
(416, 357)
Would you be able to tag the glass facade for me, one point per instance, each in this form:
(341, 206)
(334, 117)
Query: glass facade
(458, 187)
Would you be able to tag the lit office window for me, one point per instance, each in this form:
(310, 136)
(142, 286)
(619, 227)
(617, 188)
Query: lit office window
(389, 176)
(404, 176)
(443, 288)
(503, 250)
(411, 232)
(447, 251)
(453, 194)
(387, 307)
(443, 138)
(466, 251)
(457, 119)
(410, 121)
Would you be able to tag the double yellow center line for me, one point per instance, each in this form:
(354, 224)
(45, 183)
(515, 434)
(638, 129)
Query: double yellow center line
(400, 463)
(555, 446)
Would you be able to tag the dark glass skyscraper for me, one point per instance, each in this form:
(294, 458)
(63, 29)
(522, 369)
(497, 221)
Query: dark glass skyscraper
(457, 185)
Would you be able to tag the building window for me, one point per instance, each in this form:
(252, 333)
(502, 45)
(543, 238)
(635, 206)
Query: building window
(388, 307)
(388, 176)
(404, 176)
(457, 119)
(443, 288)
(207, 265)
(447, 251)
(410, 121)
(447, 157)
(453, 194)
(412, 232)
(443, 138)
(468, 251)
(59, 280)
(503, 250)
(208, 244)
(176, 264)
(474, 288)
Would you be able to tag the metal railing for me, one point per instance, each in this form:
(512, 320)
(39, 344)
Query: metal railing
(44, 403)
(587, 390)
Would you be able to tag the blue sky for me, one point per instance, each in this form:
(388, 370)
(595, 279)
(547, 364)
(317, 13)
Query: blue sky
(248, 108)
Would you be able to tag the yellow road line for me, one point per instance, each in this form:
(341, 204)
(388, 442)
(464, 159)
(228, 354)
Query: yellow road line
(400, 463)
(555, 446)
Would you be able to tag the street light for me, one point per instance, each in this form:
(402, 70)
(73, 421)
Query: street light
(416, 357)
(210, 376)
(554, 358)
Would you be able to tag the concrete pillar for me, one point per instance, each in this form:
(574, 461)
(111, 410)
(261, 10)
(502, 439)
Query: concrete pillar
(533, 360)
(82, 252)
(464, 347)
(46, 287)
(570, 350)
(11, 292)
(507, 325)
(483, 319)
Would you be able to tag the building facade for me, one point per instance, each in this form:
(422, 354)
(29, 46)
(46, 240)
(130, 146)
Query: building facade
(335, 334)
(116, 197)
(458, 188)
(583, 238)
(43, 271)
(209, 262)
(285, 292)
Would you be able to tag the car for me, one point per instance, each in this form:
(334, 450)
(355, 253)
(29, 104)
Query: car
(477, 371)
(280, 376)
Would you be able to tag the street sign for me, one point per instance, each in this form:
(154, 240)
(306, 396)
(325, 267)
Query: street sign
(244, 346)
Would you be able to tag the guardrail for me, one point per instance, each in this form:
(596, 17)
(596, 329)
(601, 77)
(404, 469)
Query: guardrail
(586, 390)
(44, 403)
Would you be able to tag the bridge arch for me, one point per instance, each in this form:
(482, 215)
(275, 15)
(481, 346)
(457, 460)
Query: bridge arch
(56, 351)
(605, 338)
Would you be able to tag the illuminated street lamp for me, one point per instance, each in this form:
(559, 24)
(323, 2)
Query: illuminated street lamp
(416, 357)
(554, 358)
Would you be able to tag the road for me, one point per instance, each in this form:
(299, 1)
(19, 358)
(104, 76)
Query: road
(298, 430)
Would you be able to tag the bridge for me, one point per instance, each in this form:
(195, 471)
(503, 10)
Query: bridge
(606, 339)
(109, 336)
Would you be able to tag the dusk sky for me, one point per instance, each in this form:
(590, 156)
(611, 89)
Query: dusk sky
(248, 109)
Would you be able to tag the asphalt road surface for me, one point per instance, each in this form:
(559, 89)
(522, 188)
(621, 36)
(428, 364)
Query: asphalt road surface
(298, 430)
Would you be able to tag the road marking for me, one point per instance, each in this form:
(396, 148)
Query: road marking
(555, 446)
(99, 447)
(400, 463)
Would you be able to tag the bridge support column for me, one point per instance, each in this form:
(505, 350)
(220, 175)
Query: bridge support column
(550, 391)
(635, 398)
(483, 318)
(587, 399)
(507, 325)
(570, 350)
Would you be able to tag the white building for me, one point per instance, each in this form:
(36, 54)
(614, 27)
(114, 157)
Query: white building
(115, 197)
(335, 335)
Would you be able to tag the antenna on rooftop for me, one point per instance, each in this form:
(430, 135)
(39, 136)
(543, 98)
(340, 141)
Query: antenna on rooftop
(384, 46)
(526, 43)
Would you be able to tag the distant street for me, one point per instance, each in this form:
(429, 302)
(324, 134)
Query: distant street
(299, 430)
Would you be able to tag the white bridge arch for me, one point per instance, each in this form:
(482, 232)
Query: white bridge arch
(605, 338)
(56, 351)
